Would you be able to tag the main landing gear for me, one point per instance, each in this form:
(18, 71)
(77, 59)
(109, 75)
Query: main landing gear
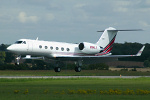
(57, 69)
(78, 66)
(60, 64)
(78, 69)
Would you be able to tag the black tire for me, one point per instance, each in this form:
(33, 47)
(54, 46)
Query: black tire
(57, 69)
(78, 69)
(16, 64)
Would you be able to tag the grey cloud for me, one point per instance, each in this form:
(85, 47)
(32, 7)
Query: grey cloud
(77, 19)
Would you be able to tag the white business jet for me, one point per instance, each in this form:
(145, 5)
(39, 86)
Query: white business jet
(83, 52)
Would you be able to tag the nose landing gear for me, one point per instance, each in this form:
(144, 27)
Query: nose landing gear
(17, 60)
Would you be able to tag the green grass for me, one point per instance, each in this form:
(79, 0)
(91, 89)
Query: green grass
(54, 88)
(71, 73)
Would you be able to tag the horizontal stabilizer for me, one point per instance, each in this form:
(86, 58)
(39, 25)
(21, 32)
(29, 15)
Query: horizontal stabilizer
(123, 30)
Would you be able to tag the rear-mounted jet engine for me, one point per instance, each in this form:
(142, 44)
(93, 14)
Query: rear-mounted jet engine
(89, 48)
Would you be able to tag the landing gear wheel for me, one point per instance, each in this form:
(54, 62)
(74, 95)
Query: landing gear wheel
(16, 64)
(18, 59)
(78, 69)
(57, 69)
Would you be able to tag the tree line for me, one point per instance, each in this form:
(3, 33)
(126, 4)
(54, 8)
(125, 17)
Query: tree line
(7, 59)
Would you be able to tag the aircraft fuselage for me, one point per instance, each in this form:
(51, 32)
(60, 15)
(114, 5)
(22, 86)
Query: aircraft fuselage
(45, 48)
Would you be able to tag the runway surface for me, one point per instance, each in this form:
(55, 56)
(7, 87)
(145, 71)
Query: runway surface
(19, 77)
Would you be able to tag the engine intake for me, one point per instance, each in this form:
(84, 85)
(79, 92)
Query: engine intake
(81, 46)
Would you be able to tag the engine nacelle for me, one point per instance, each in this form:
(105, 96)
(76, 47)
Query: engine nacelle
(89, 48)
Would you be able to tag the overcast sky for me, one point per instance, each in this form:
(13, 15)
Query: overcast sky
(73, 20)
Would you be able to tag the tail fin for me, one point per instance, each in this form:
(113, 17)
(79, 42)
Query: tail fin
(107, 39)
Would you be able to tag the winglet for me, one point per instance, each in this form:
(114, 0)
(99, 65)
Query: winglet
(140, 51)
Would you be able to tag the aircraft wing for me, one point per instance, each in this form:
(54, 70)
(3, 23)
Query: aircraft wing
(96, 59)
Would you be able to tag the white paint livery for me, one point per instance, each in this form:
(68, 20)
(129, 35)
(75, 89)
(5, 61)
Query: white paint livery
(60, 51)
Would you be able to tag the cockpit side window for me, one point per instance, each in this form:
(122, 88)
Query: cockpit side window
(24, 42)
(18, 42)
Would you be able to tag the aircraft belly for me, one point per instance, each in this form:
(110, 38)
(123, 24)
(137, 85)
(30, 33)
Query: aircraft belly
(98, 60)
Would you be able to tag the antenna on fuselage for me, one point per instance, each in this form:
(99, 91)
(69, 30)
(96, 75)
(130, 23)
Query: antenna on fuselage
(37, 38)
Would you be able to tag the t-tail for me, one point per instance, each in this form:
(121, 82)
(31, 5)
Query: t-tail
(108, 38)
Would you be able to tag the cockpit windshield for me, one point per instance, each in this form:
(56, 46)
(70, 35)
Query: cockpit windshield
(20, 42)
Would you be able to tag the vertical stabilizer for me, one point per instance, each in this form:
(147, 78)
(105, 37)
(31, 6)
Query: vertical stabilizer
(107, 39)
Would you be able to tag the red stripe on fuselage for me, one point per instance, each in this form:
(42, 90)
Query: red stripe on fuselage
(106, 52)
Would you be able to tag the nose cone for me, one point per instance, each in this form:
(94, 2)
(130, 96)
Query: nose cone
(17, 48)
(10, 48)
